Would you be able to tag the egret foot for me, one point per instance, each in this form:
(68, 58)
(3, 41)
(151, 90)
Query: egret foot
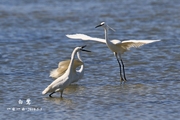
(122, 80)
(50, 95)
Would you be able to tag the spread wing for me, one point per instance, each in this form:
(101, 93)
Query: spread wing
(126, 45)
(62, 67)
(85, 37)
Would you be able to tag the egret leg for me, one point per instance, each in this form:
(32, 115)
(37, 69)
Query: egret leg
(119, 68)
(123, 71)
(61, 93)
(51, 94)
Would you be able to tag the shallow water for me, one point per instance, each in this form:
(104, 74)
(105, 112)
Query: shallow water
(33, 41)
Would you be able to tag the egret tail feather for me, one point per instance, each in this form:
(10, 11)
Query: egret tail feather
(46, 91)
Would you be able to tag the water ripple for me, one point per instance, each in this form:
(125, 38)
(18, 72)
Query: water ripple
(33, 41)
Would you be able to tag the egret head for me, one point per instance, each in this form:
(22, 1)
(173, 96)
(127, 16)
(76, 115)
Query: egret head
(105, 26)
(102, 24)
(82, 49)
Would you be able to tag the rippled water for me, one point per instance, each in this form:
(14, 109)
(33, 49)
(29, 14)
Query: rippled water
(33, 41)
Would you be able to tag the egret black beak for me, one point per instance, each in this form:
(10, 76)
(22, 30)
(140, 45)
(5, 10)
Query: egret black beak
(84, 46)
(98, 26)
(84, 49)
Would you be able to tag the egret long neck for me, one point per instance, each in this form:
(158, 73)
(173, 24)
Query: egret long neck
(106, 35)
(79, 57)
(70, 67)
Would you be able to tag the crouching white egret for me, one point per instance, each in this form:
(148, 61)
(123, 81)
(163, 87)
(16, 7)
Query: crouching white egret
(67, 78)
(116, 46)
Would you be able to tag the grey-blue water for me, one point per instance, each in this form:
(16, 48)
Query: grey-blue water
(33, 41)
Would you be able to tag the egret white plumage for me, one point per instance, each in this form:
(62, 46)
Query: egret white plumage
(67, 78)
(116, 46)
(63, 66)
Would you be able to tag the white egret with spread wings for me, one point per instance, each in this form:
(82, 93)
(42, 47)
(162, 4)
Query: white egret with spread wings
(116, 46)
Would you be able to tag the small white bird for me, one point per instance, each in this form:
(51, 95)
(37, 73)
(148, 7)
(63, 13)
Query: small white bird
(116, 46)
(67, 78)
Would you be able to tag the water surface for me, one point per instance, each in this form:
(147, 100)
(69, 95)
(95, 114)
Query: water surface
(33, 41)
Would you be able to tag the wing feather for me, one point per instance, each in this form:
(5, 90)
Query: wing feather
(85, 37)
(62, 67)
(126, 45)
(123, 46)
